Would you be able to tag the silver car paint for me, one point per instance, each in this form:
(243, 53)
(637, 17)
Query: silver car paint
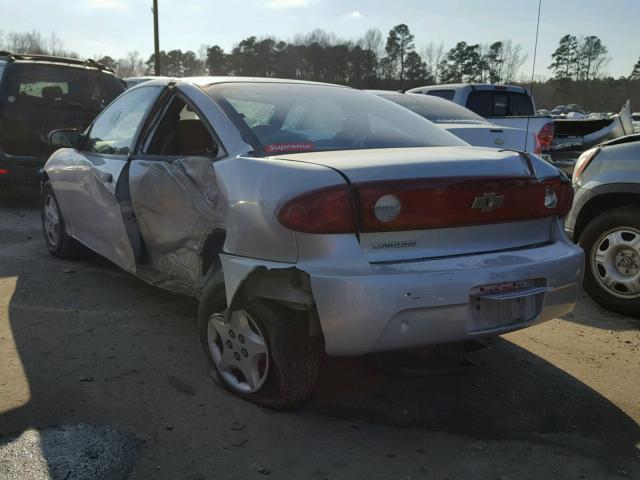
(362, 305)
(365, 307)
(615, 169)
(177, 206)
(82, 186)
(614, 164)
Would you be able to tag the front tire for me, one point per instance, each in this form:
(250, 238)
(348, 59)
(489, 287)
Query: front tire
(59, 243)
(263, 353)
(611, 242)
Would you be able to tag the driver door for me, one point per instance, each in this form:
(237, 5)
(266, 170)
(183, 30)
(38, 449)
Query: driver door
(97, 219)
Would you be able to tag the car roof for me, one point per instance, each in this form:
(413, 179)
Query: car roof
(52, 59)
(205, 81)
(634, 137)
(473, 86)
(144, 77)
(384, 92)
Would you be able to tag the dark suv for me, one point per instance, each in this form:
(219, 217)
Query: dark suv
(39, 94)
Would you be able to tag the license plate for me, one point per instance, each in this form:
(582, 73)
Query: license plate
(500, 305)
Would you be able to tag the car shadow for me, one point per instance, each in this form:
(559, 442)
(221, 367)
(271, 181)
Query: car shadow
(89, 344)
(590, 314)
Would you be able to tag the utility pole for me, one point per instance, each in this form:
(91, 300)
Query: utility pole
(156, 38)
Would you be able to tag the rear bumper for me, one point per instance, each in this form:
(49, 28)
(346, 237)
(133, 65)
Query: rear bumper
(429, 302)
(20, 170)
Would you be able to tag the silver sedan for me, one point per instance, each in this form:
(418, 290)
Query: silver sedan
(309, 217)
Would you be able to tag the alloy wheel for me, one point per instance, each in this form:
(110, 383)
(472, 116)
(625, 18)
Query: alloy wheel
(51, 220)
(239, 350)
(615, 262)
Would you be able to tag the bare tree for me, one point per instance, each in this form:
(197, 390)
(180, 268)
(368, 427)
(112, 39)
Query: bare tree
(130, 66)
(432, 55)
(513, 61)
(372, 40)
(35, 43)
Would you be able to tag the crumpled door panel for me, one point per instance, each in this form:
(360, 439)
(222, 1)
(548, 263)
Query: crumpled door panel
(178, 206)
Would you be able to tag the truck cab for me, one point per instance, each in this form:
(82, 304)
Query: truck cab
(504, 105)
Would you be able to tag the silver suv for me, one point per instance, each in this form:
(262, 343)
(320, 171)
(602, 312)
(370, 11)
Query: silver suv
(605, 222)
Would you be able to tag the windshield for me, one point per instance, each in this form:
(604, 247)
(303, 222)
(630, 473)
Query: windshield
(435, 109)
(283, 117)
(44, 97)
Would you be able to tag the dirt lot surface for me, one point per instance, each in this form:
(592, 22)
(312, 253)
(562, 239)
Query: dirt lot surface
(102, 376)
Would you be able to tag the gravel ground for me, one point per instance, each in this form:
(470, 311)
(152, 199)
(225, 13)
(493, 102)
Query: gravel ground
(95, 363)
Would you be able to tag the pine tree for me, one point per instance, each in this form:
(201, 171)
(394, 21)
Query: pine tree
(399, 45)
(635, 73)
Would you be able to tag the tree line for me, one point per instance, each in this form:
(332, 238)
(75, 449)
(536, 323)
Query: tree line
(578, 64)
(366, 62)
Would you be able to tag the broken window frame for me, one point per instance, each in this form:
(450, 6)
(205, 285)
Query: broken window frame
(156, 117)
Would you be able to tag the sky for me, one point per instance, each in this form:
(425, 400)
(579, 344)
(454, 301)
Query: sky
(115, 27)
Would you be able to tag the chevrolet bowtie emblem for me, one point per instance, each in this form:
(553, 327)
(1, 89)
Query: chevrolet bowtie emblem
(488, 202)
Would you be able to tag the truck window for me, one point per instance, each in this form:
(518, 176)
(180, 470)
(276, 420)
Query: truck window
(446, 94)
(520, 104)
(481, 102)
(500, 104)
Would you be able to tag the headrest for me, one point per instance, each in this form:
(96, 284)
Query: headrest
(51, 93)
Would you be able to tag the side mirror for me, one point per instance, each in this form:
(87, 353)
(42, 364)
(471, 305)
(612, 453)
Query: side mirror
(65, 138)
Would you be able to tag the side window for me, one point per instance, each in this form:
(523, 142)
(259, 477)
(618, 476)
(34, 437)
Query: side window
(181, 132)
(114, 130)
(481, 102)
(446, 94)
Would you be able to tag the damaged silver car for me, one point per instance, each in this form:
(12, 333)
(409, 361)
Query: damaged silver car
(308, 217)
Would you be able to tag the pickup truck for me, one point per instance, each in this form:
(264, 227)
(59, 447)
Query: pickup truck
(504, 105)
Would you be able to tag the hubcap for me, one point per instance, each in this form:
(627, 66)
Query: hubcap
(239, 351)
(615, 261)
(51, 220)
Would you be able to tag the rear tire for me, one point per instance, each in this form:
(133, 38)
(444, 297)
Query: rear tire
(613, 259)
(287, 372)
(59, 243)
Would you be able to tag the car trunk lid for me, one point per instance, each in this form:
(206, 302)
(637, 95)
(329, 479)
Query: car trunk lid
(493, 136)
(454, 200)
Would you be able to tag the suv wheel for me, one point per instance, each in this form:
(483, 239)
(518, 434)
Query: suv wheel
(262, 352)
(611, 242)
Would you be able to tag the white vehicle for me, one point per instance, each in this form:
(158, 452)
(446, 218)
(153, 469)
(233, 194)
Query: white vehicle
(464, 123)
(504, 105)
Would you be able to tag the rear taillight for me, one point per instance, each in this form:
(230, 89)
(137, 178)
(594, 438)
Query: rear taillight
(583, 162)
(3, 171)
(454, 201)
(327, 210)
(537, 148)
(393, 205)
(545, 137)
(558, 196)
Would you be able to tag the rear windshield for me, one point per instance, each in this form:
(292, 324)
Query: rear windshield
(489, 103)
(435, 109)
(39, 98)
(282, 117)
